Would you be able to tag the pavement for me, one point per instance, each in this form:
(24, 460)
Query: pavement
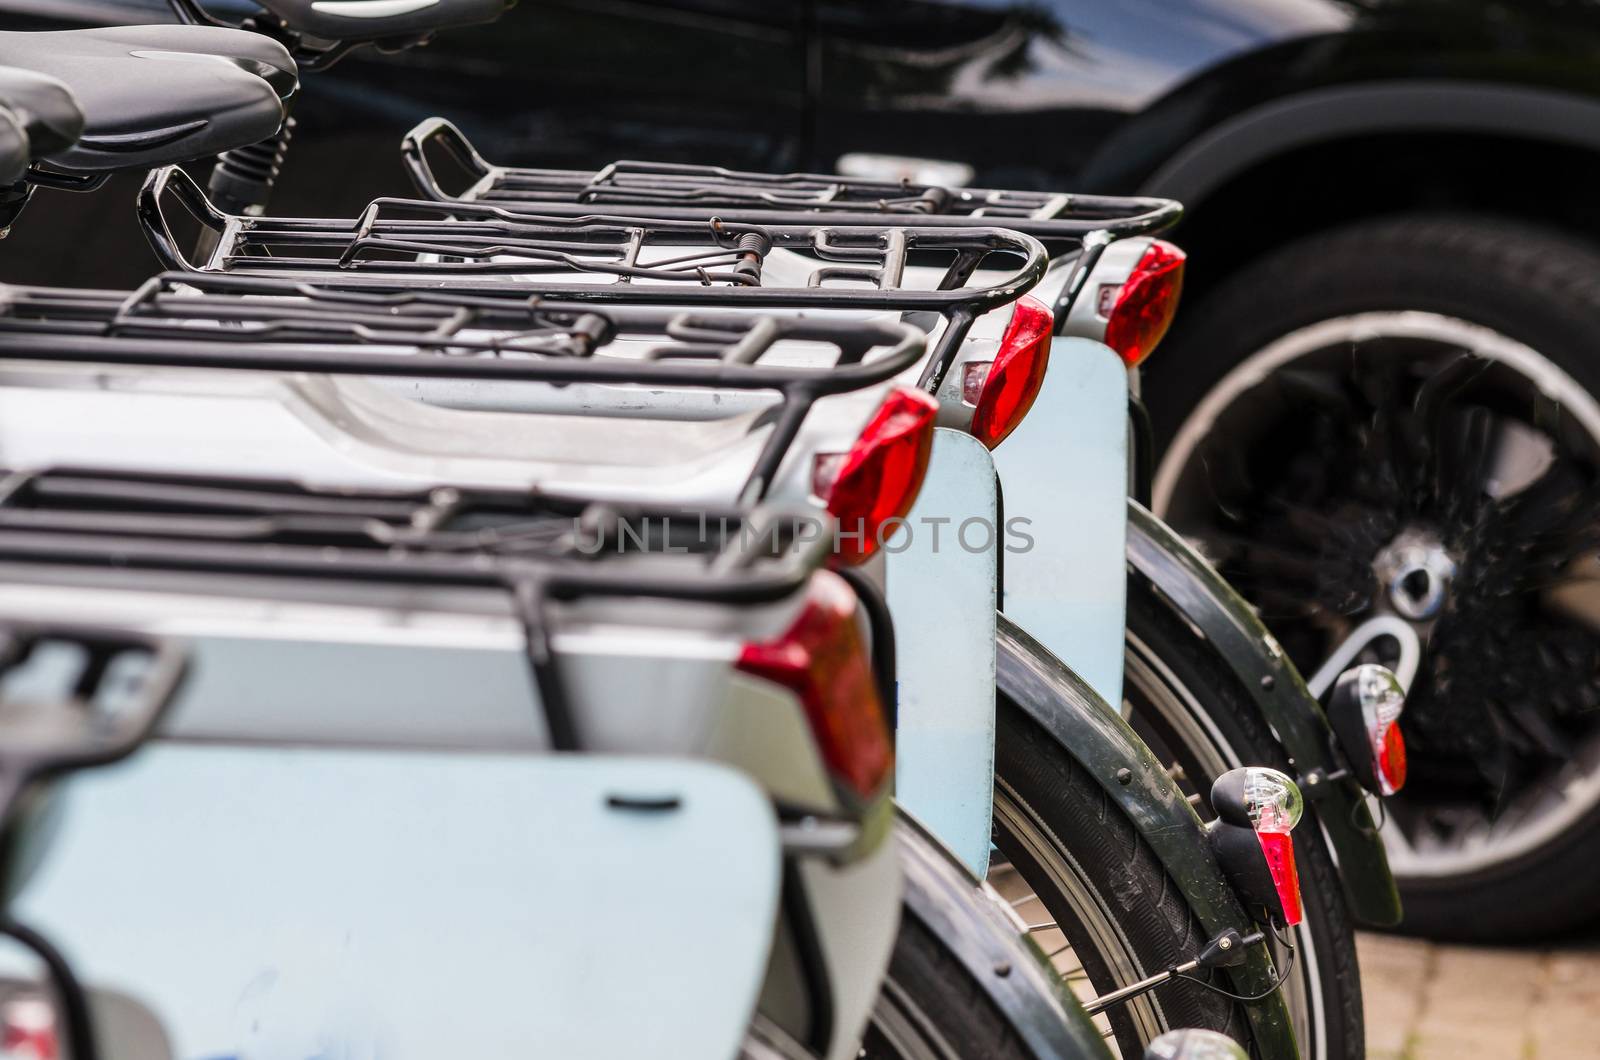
(1428, 1001)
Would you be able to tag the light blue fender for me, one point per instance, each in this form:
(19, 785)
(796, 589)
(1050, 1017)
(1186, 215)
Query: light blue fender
(272, 902)
(942, 595)
(1065, 471)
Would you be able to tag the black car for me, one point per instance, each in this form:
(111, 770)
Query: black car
(1377, 409)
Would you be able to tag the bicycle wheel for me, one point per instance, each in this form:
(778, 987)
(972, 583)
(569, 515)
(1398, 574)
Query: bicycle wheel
(1188, 706)
(1092, 892)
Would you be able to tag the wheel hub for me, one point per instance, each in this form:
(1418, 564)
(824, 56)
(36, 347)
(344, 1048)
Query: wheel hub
(1416, 571)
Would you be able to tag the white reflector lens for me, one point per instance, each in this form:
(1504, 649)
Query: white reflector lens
(1272, 800)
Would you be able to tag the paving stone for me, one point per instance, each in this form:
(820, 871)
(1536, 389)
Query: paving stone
(1426, 1001)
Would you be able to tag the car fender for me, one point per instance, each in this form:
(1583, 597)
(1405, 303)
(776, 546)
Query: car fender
(1210, 605)
(1248, 139)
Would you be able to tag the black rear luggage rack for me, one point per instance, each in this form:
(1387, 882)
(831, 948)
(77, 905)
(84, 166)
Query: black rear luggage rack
(267, 324)
(1074, 227)
(536, 547)
(480, 249)
(688, 192)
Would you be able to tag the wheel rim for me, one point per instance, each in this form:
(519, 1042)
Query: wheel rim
(1180, 732)
(1483, 454)
(1103, 959)
(898, 1030)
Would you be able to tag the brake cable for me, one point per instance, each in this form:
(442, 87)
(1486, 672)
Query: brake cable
(1226, 949)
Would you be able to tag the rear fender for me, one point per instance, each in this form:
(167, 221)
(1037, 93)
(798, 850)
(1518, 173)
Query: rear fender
(1209, 604)
(1101, 741)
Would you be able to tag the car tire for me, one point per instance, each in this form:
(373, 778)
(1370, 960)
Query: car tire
(1535, 286)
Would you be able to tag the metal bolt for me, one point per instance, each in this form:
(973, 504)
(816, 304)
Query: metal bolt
(1225, 944)
(1124, 776)
(1269, 682)
(1002, 968)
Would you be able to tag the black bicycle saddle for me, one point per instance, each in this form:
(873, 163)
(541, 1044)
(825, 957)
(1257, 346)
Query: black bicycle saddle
(14, 151)
(381, 20)
(155, 95)
(44, 107)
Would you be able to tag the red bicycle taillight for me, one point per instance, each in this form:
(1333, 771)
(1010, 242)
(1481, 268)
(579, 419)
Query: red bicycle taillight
(1257, 810)
(822, 660)
(1364, 710)
(877, 481)
(28, 1029)
(1382, 701)
(1002, 390)
(1141, 310)
(1274, 804)
(1278, 849)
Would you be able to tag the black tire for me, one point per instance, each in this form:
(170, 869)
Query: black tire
(1167, 662)
(932, 1009)
(1051, 819)
(1538, 287)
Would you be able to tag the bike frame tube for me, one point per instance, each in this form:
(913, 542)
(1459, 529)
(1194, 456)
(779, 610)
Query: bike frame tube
(1208, 603)
(1099, 739)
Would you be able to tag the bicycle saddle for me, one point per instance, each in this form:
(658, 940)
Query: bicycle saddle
(380, 20)
(37, 115)
(44, 108)
(156, 95)
(14, 151)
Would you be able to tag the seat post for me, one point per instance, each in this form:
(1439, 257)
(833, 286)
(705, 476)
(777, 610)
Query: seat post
(242, 180)
(13, 199)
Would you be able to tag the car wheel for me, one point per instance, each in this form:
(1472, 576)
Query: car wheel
(1387, 437)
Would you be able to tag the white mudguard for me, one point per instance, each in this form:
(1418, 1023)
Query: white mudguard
(293, 903)
(941, 590)
(1065, 470)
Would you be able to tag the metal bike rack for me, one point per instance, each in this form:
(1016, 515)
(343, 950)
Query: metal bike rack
(477, 249)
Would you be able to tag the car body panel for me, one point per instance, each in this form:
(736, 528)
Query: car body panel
(1085, 94)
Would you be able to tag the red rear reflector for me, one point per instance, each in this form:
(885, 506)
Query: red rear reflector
(28, 1030)
(1382, 702)
(1014, 377)
(1364, 708)
(1264, 803)
(878, 479)
(822, 660)
(1146, 302)
(1278, 848)
(1275, 805)
(1392, 760)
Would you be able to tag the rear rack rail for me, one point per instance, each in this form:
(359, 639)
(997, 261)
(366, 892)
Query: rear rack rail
(255, 323)
(478, 249)
(687, 192)
(1075, 227)
(535, 547)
